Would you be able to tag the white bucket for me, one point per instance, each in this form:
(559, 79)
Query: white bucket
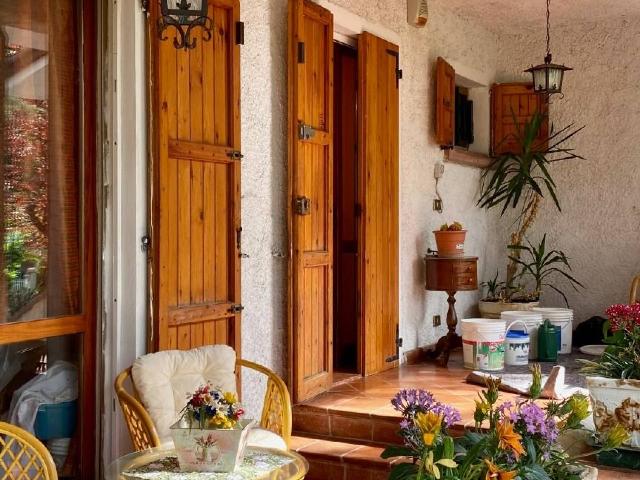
(483, 343)
(516, 345)
(563, 318)
(532, 320)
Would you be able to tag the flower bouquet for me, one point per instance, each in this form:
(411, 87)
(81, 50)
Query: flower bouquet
(211, 435)
(509, 442)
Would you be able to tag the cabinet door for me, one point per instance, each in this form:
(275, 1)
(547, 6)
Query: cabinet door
(311, 197)
(379, 156)
(445, 103)
(512, 104)
(196, 190)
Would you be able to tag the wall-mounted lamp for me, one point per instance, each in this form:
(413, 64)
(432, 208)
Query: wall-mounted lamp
(184, 16)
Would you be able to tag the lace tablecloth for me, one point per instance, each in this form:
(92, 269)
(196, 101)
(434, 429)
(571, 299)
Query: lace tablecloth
(258, 463)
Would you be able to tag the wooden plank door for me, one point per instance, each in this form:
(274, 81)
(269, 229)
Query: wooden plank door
(379, 156)
(311, 197)
(445, 103)
(512, 105)
(196, 190)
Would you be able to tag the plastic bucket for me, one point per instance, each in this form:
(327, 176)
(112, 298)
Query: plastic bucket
(563, 318)
(532, 320)
(516, 345)
(483, 343)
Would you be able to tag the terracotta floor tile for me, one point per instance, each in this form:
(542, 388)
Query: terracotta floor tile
(297, 443)
(386, 431)
(363, 404)
(329, 399)
(317, 424)
(327, 450)
(367, 456)
(325, 471)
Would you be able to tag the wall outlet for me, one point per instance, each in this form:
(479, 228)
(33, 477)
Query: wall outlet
(437, 205)
(436, 320)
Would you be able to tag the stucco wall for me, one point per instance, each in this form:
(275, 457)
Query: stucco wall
(264, 170)
(599, 227)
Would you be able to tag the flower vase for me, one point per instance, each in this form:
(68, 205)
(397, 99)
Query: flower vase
(210, 449)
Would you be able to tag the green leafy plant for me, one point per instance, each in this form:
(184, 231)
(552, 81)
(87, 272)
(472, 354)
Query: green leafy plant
(621, 359)
(541, 264)
(454, 227)
(495, 288)
(520, 180)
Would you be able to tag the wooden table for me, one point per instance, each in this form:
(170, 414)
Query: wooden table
(451, 275)
(259, 463)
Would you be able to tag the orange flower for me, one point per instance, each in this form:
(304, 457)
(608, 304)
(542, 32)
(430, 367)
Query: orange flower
(508, 439)
(494, 472)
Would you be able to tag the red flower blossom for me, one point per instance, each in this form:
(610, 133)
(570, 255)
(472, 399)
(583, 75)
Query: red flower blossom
(624, 317)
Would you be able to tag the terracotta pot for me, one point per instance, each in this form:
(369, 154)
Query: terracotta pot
(616, 401)
(450, 243)
(494, 309)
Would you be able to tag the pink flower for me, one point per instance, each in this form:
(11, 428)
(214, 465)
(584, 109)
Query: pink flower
(624, 317)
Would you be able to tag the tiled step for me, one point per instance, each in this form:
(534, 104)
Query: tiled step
(330, 460)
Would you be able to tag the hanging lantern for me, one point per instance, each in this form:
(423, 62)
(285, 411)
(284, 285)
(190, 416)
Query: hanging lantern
(184, 16)
(547, 77)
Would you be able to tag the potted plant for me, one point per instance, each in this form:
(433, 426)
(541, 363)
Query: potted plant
(509, 441)
(211, 435)
(519, 181)
(614, 378)
(450, 240)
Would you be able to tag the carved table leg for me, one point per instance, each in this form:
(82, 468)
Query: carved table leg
(451, 340)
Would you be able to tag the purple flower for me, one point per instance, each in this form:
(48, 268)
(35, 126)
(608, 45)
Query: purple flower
(411, 401)
(504, 408)
(530, 419)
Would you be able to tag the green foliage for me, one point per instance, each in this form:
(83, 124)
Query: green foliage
(514, 176)
(495, 288)
(542, 264)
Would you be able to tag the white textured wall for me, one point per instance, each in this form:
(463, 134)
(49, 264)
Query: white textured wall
(599, 227)
(264, 170)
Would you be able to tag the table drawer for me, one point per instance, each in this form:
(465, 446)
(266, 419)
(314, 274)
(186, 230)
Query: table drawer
(464, 267)
(465, 281)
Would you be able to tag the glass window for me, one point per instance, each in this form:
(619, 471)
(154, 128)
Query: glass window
(40, 143)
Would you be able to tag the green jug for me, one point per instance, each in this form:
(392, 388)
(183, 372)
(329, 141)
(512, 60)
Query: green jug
(547, 342)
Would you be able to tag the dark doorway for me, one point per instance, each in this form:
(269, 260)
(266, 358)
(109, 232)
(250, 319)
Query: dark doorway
(346, 212)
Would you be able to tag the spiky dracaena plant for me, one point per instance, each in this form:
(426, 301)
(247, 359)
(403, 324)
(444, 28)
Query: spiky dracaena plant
(521, 180)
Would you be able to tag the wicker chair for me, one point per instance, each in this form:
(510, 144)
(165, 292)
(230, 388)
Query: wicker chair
(276, 410)
(23, 456)
(634, 293)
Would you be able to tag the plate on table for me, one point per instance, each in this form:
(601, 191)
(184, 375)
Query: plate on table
(595, 350)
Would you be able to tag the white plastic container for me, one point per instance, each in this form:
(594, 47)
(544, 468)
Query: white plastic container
(532, 320)
(563, 318)
(516, 344)
(483, 343)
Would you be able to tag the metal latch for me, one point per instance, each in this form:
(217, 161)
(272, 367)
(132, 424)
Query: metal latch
(235, 155)
(302, 205)
(236, 308)
(145, 243)
(306, 132)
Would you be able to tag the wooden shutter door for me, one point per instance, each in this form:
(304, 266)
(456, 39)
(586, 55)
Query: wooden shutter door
(509, 102)
(445, 103)
(196, 191)
(311, 197)
(379, 156)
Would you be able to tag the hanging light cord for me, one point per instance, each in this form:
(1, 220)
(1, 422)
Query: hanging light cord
(548, 29)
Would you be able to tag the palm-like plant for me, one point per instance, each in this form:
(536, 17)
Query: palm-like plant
(542, 264)
(522, 179)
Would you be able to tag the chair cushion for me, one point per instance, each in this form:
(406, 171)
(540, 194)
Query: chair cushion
(260, 437)
(164, 379)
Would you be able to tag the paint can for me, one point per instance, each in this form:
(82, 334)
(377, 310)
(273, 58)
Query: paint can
(532, 320)
(483, 343)
(516, 346)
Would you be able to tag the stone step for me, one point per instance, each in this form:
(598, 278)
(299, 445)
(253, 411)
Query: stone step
(332, 460)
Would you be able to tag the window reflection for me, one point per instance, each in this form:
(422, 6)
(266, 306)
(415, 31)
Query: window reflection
(40, 158)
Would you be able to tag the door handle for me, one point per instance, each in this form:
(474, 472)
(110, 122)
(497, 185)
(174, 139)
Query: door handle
(302, 205)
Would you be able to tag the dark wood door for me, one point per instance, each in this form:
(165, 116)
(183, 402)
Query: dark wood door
(310, 197)
(196, 190)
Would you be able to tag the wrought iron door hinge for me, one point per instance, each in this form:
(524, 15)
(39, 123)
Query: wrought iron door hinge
(239, 243)
(236, 308)
(300, 52)
(395, 54)
(306, 132)
(235, 155)
(398, 74)
(302, 205)
(239, 33)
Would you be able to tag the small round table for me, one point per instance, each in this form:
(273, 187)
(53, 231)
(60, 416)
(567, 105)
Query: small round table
(159, 464)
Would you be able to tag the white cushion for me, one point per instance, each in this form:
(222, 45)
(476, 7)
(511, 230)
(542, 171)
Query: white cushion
(164, 379)
(259, 437)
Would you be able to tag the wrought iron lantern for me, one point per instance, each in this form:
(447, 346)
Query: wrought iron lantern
(548, 76)
(184, 16)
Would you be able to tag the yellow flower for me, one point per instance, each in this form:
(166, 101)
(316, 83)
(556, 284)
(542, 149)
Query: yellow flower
(429, 424)
(230, 398)
(432, 467)
(494, 472)
(509, 439)
(616, 436)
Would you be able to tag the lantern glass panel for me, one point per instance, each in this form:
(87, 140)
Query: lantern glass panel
(539, 79)
(555, 79)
